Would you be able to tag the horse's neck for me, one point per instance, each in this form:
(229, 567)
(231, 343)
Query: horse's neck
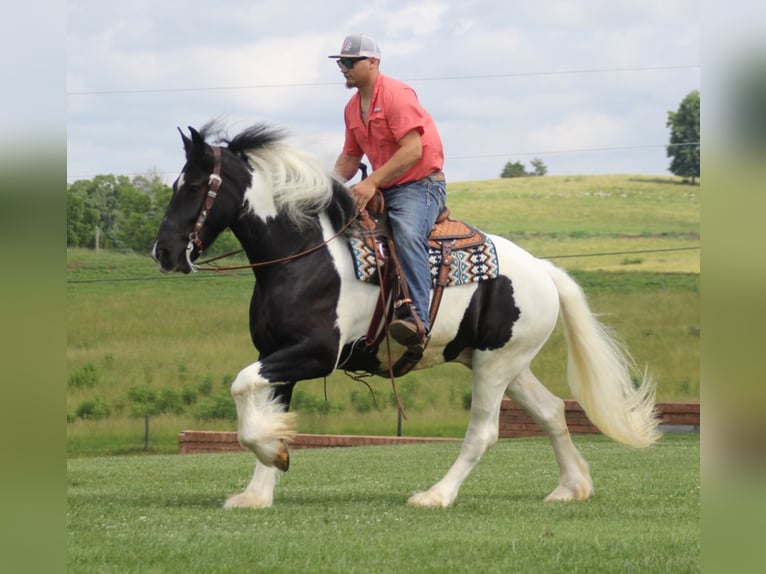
(275, 240)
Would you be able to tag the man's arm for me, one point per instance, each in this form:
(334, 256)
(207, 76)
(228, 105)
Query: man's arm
(409, 153)
(346, 166)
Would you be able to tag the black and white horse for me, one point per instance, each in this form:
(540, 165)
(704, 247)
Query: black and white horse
(308, 311)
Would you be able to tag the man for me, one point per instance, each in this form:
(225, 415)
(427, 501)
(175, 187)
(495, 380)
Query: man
(385, 121)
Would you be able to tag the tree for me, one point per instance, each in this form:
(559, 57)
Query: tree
(515, 169)
(684, 145)
(539, 166)
(127, 213)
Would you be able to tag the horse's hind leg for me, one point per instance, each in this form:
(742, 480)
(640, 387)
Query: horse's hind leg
(548, 412)
(489, 383)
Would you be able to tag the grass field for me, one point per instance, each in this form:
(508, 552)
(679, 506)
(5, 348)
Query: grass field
(344, 510)
(631, 241)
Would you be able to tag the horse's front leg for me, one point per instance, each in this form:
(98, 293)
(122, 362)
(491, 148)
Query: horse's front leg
(266, 428)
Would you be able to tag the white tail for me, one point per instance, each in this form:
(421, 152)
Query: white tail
(599, 372)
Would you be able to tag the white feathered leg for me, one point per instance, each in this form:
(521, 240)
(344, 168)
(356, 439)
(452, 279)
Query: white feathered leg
(265, 428)
(260, 492)
(547, 410)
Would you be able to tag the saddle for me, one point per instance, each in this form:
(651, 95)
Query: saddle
(447, 236)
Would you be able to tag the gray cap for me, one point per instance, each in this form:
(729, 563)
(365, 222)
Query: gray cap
(358, 45)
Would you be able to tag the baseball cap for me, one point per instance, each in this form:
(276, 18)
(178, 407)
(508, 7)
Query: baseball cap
(358, 45)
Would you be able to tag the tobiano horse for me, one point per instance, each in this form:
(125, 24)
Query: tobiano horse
(308, 310)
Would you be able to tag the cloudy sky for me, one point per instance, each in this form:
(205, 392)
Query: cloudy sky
(586, 85)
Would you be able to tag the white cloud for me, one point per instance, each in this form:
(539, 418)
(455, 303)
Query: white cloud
(520, 104)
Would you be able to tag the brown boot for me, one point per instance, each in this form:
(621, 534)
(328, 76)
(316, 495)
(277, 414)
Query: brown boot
(406, 333)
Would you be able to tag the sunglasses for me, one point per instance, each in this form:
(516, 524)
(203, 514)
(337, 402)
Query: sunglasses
(349, 62)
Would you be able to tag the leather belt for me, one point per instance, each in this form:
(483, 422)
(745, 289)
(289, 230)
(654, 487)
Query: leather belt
(435, 176)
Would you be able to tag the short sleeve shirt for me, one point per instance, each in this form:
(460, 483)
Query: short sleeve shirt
(394, 111)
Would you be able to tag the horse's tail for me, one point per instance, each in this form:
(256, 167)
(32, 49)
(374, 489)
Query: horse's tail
(599, 372)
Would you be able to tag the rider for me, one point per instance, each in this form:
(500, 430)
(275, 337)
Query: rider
(386, 122)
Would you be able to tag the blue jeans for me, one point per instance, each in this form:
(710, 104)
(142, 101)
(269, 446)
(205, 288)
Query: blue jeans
(412, 210)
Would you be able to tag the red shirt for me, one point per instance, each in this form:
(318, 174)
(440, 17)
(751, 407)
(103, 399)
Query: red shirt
(394, 112)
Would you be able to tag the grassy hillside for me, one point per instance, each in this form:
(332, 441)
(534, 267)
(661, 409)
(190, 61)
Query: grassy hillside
(133, 333)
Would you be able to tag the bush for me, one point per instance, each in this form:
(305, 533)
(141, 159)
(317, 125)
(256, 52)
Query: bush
(467, 400)
(216, 407)
(310, 404)
(93, 409)
(362, 401)
(170, 400)
(189, 394)
(205, 388)
(84, 377)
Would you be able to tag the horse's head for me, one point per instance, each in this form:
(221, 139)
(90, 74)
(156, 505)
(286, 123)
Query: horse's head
(207, 198)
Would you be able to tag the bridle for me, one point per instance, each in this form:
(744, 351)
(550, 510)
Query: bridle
(214, 183)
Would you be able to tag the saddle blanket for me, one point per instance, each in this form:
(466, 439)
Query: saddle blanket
(469, 265)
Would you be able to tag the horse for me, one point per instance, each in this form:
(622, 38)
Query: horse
(309, 311)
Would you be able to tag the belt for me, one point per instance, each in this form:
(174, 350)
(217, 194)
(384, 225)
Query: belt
(435, 176)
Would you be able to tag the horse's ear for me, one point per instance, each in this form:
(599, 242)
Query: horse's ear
(187, 141)
(197, 139)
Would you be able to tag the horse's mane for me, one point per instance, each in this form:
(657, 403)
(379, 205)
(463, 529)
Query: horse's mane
(299, 185)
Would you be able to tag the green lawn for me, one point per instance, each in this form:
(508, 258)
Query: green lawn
(344, 510)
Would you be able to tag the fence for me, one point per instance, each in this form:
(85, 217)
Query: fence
(514, 422)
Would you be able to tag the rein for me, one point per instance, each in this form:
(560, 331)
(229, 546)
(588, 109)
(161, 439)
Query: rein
(214, 183)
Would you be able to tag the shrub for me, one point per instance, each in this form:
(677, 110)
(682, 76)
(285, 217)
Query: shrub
(170, 400)
(362, 401)
(205, 388)
(216, 407)
(93, 409)
(189, 394)
(310, 404)
(84, 377)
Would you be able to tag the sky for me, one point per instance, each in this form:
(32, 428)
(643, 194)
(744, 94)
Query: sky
(584, 85)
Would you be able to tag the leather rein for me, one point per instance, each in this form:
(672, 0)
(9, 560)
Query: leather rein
(214, 183)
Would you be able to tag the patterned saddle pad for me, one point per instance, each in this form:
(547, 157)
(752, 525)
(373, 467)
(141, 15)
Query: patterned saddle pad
(472, 261)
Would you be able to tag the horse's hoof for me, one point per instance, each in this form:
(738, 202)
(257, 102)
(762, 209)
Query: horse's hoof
(245, 500)
(282, 460)
(566, 494)
(427, 500)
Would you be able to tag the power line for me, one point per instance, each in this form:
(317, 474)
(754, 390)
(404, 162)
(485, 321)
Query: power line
(578, 150)
(247, 274)
(425, 79)
(492, 155)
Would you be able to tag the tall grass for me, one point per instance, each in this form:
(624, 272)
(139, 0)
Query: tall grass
(142, 329)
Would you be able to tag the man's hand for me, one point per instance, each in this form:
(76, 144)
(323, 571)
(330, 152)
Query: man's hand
(363, 192)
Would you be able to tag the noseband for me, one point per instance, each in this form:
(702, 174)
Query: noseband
(214, 182)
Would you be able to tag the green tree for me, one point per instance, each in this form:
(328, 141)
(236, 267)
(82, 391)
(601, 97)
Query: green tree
(515, 169)
(126, 212)
(684, 145)
(539, 167)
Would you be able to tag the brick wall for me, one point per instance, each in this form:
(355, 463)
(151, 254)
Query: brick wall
(199, 442)
(514, 422)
